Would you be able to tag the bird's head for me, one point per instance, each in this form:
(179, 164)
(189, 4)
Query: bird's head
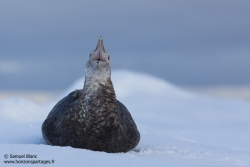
(98, 67)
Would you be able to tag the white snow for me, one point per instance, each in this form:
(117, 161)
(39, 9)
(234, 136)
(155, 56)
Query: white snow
(177, 128)
(17, 110)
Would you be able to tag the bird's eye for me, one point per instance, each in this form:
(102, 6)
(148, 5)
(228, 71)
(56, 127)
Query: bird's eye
(90, 55)
(108, 56)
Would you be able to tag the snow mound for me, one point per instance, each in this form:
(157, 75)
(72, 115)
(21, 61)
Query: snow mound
(17, 110)
(127, 83)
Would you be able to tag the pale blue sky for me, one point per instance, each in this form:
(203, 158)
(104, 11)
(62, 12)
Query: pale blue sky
(44, 44)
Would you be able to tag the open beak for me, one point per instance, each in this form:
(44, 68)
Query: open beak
(99, 54)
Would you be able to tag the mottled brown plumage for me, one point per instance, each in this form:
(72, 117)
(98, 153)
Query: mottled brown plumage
(92, 118)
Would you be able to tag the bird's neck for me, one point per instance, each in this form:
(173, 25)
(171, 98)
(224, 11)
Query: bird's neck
(98, 97)
(95, 86)
(96, 92)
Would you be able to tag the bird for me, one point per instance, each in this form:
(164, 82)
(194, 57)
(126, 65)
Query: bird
(92, 118)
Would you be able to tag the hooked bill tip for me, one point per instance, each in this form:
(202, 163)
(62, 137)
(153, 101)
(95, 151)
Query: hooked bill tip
(100, 44)
(100, 39)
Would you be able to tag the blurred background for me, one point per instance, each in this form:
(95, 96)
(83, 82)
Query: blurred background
(202, 46)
